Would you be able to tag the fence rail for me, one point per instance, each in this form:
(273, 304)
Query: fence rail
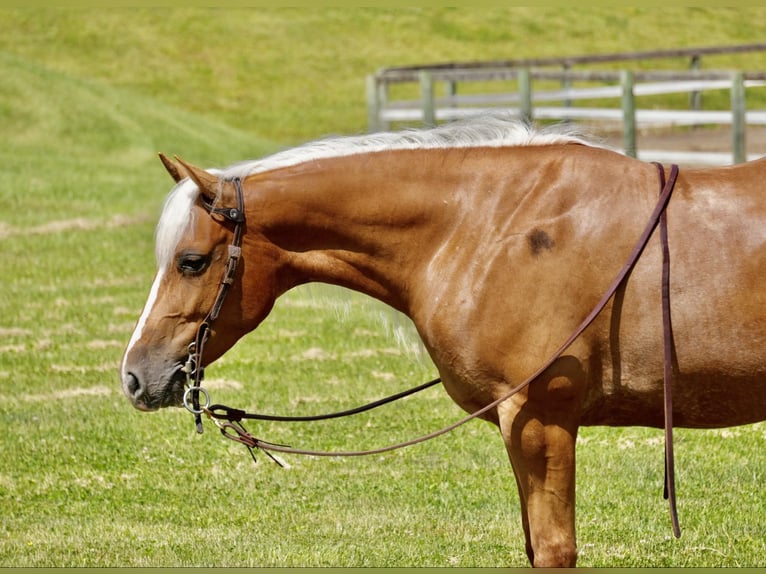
(624, 85)
(410, 73)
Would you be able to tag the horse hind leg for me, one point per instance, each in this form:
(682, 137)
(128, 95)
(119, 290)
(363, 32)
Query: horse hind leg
(540, 435)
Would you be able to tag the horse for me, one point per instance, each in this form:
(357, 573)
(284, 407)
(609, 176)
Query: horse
(496, 238)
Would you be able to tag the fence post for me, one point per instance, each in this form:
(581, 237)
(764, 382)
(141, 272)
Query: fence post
(427, 98)
(628, 113)
(695, 97)
(566, 83)
(738, 117)
(525, 94)
(452, 92)
(373, 104)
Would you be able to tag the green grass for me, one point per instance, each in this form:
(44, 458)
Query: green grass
(297, 74)
(87, 99)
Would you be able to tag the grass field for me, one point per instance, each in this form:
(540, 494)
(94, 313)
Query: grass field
(87, 99)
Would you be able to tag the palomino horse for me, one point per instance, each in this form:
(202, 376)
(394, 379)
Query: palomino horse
(496, 240)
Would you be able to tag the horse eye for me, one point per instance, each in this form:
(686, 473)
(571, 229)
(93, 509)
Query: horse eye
(192, 263)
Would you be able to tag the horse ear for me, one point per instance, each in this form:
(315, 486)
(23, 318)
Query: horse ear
(207, 182)
(176, 171)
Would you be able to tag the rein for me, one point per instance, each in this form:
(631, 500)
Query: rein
(668, 349)
(229, 420)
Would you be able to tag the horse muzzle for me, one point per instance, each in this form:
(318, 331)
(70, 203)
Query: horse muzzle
(147, 396)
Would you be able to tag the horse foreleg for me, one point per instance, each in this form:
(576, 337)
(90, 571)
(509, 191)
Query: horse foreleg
(540, 440)
(525, 520)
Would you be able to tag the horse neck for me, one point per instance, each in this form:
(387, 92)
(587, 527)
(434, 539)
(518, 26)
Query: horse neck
(364, 222)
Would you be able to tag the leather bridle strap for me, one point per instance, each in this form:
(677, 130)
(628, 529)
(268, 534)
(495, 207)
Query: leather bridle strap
(223, 412)
(194, 370)
(669, 356)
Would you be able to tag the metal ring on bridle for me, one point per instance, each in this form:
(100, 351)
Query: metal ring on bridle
(190, 407)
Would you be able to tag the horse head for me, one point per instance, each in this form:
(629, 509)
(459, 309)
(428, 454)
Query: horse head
(193, 249)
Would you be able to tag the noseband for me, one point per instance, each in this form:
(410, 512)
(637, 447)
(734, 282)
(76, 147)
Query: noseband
(193, 367)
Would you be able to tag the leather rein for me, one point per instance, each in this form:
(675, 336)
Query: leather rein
(229, 420)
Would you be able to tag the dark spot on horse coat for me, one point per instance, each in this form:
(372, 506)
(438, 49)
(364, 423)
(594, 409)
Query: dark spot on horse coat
(539, 241)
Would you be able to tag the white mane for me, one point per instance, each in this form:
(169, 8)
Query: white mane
(486, 131)
(489, 131)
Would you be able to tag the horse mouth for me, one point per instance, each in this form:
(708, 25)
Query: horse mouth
(173, 392)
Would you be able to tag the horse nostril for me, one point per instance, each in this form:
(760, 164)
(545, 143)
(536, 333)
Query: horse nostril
(132, 387)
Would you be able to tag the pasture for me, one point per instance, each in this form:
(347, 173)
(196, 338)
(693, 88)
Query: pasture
(85, 480)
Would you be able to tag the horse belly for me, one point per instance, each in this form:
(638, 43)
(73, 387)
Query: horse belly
(700, 400)
(719, 371)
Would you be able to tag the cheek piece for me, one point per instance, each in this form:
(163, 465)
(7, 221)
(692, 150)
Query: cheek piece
(193, 366)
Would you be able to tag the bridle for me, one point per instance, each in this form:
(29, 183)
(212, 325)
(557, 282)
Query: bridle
(193, 367)
(229, 420)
